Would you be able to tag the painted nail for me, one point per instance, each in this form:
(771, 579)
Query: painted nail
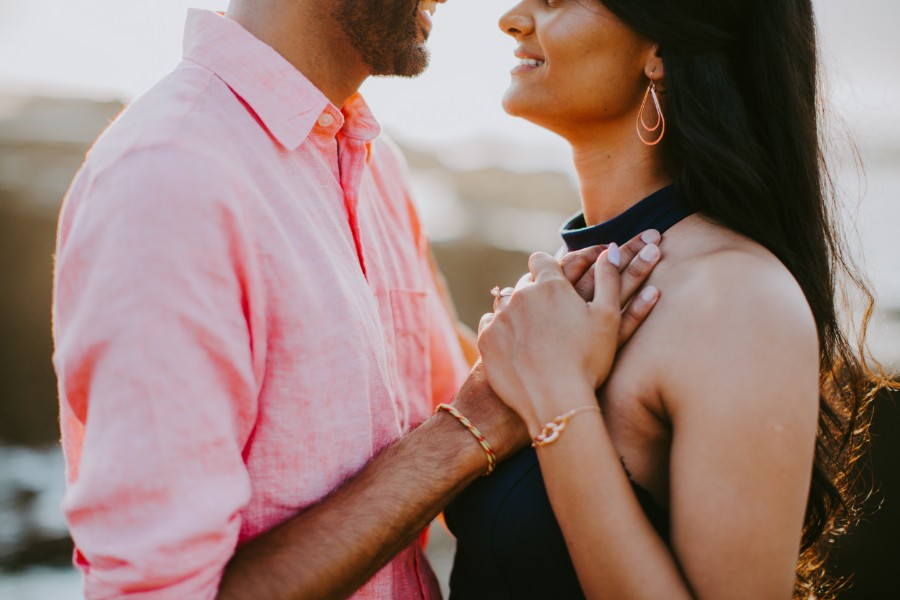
(649, 294)
(613, 254)
(649, 253)
(651, 236)
(485, 320)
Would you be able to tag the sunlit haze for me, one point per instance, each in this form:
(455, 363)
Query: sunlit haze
(119, 48)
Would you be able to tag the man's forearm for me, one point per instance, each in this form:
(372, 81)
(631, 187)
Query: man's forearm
(334, 547)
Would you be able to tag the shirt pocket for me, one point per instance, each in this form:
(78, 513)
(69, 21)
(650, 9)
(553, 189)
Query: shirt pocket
(409, 309)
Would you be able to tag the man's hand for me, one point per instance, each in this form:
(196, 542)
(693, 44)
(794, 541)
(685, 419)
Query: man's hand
(477, 401)
(635, 267)
(501, 426)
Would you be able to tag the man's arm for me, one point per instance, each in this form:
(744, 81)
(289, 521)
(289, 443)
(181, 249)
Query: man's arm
(334, 547)
(158, 375)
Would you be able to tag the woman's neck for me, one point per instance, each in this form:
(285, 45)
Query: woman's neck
(614, 176)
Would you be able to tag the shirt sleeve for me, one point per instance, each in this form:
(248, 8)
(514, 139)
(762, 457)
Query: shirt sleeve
(158, 373)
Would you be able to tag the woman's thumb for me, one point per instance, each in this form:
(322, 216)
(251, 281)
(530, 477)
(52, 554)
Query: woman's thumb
(607, 278)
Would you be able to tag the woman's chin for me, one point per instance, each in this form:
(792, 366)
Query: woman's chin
(508, 107)
(514, 105)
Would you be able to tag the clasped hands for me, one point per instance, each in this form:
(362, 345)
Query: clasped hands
(558, 329)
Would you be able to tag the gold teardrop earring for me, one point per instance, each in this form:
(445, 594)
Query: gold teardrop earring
(660, 119)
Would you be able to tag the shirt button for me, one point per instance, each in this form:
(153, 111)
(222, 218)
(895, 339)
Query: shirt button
(326, 120)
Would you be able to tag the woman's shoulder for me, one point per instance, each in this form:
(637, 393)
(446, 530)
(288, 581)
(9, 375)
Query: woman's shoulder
(715, 272)
(735, 309)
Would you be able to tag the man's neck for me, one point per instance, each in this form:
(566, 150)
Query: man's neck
(309, 37)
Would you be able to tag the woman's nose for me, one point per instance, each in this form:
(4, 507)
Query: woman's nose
(516, 22)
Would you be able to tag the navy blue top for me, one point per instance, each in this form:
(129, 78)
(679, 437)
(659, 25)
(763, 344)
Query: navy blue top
(509, 544)
(660, 210)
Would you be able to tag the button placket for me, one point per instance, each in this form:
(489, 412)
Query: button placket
(351, 159)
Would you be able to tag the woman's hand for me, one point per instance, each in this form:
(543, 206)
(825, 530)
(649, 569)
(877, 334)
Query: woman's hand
(547, 346)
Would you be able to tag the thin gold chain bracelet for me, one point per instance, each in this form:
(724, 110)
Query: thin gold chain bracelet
(551, 431)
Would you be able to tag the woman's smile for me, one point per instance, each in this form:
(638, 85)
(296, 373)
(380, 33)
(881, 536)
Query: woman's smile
(527, 62)
(592, 66)
(424, 12)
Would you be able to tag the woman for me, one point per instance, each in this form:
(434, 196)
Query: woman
(718, 448)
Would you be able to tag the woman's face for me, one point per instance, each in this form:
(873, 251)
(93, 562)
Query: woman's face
(580, 67)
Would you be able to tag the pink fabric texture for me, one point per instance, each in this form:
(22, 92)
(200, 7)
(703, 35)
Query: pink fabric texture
(243, 317)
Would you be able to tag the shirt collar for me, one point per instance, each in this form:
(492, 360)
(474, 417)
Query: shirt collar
(287, 103)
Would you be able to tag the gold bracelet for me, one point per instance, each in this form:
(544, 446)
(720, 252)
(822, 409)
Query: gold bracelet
(485, 445)
(551, 431)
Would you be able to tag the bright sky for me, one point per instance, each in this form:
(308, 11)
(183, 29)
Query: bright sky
(121, 47)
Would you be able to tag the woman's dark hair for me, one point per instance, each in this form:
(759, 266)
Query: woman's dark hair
(743, 111)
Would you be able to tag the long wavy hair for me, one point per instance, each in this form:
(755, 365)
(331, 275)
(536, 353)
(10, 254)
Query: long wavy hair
(745, 148)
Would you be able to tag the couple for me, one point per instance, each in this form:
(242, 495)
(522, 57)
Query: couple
(251, 337)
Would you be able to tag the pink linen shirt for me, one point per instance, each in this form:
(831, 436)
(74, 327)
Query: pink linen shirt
(243, 317)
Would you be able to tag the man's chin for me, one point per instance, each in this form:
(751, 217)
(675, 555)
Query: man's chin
(412, 64)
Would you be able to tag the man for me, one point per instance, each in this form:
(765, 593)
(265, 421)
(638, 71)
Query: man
(249, 340)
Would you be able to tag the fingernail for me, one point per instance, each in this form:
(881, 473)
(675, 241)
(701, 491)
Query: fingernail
(612, 254)
(649, 294)
(483, 322)
(649, 253)
(651, 236)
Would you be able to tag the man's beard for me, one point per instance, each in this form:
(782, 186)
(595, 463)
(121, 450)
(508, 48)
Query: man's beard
(385, 34)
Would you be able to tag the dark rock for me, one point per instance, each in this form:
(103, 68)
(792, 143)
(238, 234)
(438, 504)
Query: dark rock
(42, 143)
(23, 499)
(28, 405)
(870, 555)
(48, 552)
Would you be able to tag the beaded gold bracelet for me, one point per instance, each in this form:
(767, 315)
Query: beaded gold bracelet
(551, 431)
(485, 445)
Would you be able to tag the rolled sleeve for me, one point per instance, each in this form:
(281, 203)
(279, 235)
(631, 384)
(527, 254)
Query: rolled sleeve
(158, 378)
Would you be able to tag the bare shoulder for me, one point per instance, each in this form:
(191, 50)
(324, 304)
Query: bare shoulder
(718, 278)
(739, 317)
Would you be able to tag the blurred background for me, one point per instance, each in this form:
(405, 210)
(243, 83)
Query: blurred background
(491, 190)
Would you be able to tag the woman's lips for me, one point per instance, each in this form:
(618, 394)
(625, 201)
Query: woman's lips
(428, 6)
(424, 20)
(527, 63)
(423, 15)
